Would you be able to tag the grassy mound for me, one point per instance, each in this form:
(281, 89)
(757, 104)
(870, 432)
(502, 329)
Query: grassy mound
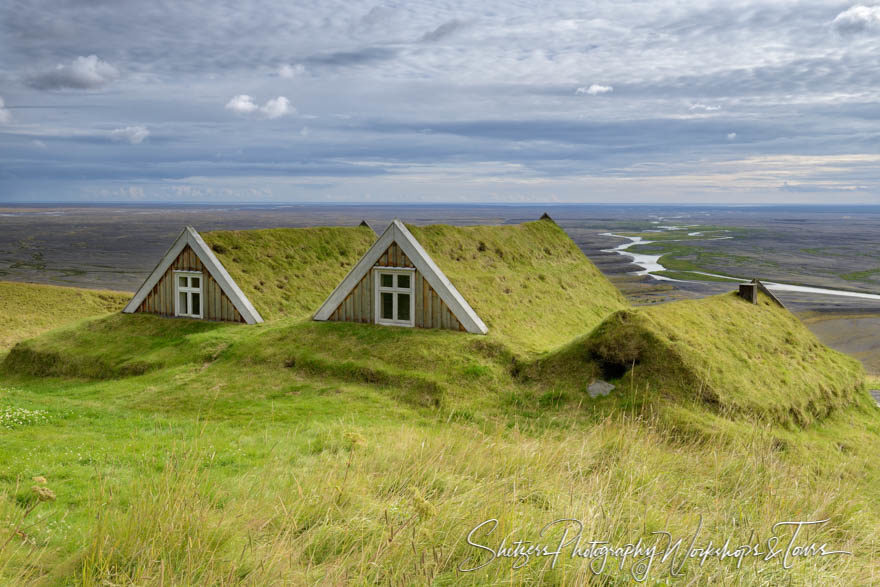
(120, 345)
(288, 272)
(530, 283)
(27, 309)
(731, 356)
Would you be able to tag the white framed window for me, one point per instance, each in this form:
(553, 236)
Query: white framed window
(188, 299)
(394, 295)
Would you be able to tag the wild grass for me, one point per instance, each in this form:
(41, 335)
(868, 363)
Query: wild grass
(293, 452)
(27, 309)
(394, 504)
(121, 344)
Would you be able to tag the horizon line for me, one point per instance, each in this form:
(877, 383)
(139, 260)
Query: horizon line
(437, 203)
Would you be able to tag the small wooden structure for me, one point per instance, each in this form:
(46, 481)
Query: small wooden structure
(190, 282)
(749, 292)
(396, 283)
(763, 289)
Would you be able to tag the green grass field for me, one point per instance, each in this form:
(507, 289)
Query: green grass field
(295, 452)
(27, 309)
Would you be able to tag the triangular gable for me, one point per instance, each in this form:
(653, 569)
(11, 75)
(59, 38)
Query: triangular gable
(366, 224)
(189, 236)
(398, 233)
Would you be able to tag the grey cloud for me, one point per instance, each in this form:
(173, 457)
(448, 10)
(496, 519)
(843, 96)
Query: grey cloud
(371, 75)
(5, 114)
(441, 32)
(356, 57)
(84, 73)
(858, 19)
(643, 134)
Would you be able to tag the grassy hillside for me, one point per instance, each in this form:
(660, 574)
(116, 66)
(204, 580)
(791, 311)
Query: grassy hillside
(288, 272)
(277, 462)
(27, 309)
(296, 452)
(530, 283)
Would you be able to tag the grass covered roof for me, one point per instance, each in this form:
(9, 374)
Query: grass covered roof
(530, 283)
(733, 355)
(288, 272)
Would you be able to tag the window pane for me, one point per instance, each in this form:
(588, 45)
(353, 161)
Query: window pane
(387, 306)
(194, 282)
(403, 281)
(181, 281)
(387, 280)
(181, 303)
(195, 303)
(403, 307)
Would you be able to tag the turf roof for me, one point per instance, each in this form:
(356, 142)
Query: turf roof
(734, 355)
(530, 283)
(288, 272)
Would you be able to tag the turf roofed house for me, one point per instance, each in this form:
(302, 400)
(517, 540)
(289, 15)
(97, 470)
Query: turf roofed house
(190, 282)
(396, 283)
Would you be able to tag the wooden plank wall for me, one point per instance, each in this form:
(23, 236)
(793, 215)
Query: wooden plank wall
(430, 310)
(216, 305)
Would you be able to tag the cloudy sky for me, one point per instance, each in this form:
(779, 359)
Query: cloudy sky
(511, 101)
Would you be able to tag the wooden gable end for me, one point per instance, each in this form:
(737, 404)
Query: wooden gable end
(430, 310)
(216, 304)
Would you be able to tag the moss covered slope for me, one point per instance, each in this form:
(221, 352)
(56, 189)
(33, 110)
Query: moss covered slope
(288, 272)
(734, 356)
(530, 283)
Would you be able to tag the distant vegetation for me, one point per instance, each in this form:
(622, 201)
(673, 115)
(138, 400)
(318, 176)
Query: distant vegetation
(187, 452)
(867, 274)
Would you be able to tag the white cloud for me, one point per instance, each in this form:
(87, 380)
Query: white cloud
(277, 107)
(857, 19)
(274, 108)
(291, 71)
(703, 107)
(39, 144)
(595, 90)
(5, 114)
(132, 134)
(731, 136)
(243, 104)
(84, 73)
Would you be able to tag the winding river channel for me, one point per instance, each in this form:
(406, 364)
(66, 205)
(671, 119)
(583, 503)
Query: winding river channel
(651, 263)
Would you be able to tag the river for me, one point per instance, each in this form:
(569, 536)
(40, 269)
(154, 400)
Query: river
(651, 263)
